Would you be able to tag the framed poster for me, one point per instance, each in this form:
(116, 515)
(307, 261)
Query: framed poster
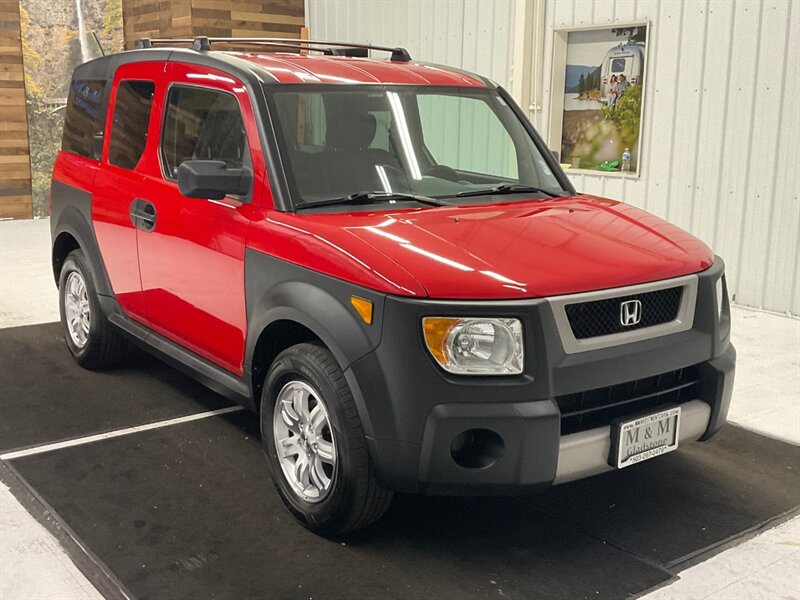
(598, 97)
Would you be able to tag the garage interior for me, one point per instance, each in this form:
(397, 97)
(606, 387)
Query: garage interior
(142, 483)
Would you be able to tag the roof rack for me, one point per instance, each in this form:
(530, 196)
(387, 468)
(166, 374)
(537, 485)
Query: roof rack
(203, 43)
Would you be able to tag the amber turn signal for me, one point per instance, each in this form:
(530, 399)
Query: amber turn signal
(436, 330)
(363, 308)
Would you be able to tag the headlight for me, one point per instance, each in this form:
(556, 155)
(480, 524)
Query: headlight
(475, 346)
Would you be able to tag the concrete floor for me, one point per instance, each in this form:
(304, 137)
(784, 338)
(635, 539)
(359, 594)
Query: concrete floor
(766, 399)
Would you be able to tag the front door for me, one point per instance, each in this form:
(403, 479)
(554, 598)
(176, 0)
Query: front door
(191, 254)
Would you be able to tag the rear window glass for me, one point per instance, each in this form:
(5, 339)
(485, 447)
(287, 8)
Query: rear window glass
(84, 115)
(618, 65)
(131, 119)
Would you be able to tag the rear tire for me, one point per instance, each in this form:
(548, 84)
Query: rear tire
(91, 339)
(308, 411)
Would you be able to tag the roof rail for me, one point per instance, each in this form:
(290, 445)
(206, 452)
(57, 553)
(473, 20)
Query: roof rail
(203, 43)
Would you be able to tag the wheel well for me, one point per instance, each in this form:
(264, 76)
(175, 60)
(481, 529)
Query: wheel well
(275, 338)
(64, 244)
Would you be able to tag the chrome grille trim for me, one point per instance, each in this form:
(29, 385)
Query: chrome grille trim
(683, 321)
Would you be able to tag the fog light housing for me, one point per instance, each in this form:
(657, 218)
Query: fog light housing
(477, 448)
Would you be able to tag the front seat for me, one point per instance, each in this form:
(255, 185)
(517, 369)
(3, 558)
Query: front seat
(221, 135)
(350, 129)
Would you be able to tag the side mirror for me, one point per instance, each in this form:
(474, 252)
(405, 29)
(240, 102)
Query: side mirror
(97, 145)
(212, 179)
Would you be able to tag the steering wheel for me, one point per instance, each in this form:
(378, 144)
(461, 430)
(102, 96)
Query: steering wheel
(444, 172)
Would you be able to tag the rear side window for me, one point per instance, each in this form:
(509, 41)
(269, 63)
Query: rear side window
(84, 116)
(131, 118)
(202, 124)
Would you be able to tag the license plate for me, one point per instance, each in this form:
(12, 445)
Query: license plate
(644, 437)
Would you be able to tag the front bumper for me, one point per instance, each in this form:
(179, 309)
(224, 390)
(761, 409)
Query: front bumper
(413, 411)
(586, 453)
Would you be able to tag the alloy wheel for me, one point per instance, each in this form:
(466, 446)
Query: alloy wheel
(304, 441)
(77, 309)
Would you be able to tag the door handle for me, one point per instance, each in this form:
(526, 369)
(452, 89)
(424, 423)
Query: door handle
(143, 214)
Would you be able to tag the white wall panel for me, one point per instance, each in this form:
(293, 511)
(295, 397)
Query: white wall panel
(721, 139)
(476, 35)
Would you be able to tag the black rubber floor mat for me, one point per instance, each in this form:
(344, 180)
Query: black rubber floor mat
(46, 397)
(189, 512)
(671, 508)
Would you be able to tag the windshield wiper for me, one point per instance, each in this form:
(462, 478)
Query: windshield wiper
(373, 198)
(509, 188)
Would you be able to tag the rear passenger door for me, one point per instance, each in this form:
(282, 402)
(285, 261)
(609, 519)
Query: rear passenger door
(126, 162)
(192, 255)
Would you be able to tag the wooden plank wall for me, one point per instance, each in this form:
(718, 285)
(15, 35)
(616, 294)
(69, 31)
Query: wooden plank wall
(156, 18)
(215, 18)
(15, 161)
(239, 18)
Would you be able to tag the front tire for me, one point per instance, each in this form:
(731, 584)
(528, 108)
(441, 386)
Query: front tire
(315, 444)
(91, 340)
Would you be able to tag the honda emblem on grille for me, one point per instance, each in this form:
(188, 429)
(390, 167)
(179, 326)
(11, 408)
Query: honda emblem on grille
(630, 312)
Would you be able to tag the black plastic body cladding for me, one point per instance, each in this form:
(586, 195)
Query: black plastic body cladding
(277, 290)
(72, 214)
(415, 408)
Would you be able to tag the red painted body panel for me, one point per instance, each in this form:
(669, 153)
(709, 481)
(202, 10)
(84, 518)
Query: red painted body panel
(328, 248)
(192, 263)
(492, 251)
(294, 68)
(74, 170)
(114, 191)
(186, 278)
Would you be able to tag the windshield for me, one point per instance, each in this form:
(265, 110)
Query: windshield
(437, 142)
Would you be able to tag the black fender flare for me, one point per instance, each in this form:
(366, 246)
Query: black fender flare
(323, 313)
(280, 291)
(335, 331)
(72, 214)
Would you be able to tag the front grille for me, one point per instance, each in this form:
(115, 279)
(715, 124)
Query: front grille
(598, 407)
(602, 317)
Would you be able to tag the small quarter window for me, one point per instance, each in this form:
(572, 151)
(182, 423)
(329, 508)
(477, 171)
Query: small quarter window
(202, 124)
(84, 116)
(131, 119)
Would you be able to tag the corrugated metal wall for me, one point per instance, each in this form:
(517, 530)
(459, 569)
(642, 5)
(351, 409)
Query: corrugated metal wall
(721, 140)
(476, 35)
(721, 146)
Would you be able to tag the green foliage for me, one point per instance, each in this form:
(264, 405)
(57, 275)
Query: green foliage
(626, 115)
(589, 84)
(593, 81)
(50, 53)
(44, 129)
(111, 33)
(634, 34)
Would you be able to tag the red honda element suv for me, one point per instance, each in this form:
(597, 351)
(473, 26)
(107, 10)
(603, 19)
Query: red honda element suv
(383, 259)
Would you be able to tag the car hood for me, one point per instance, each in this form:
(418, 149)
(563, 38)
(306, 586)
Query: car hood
(528, 249)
